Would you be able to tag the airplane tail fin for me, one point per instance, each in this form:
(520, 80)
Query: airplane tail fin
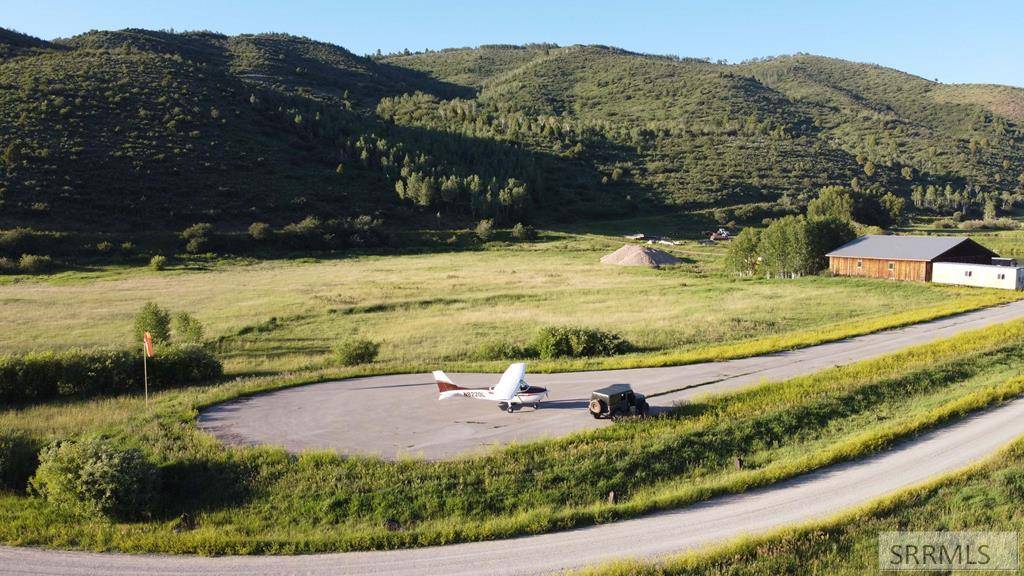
(444, 383)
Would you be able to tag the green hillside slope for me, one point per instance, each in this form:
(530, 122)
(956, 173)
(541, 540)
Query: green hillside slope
(895, 119)
(136, 135)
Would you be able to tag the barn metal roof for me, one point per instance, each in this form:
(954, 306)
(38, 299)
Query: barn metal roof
(899, 247)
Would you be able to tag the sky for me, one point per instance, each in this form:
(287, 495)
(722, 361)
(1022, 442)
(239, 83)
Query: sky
(980, 41)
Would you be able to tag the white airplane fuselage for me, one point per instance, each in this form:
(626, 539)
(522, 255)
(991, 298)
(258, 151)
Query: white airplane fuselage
(529, 395)
(512, 389)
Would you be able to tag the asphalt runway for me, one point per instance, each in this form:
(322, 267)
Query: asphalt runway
(398, 415)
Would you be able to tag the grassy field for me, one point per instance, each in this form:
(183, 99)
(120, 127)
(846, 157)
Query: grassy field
(1007, 243)
(275, 323)
(262, 500)
(276, 316)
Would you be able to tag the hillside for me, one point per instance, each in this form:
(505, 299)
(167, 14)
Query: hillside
(692, 133)
(894, 118)
(15, 43)
(1005, 101)
(136, 135)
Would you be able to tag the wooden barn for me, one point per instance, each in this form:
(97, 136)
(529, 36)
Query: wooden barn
(904, 257)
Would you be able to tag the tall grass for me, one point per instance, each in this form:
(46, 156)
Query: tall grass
(263, 500)
(983, 497)
(430, 309)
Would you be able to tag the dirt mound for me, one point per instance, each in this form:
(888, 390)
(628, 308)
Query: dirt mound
(634, 255)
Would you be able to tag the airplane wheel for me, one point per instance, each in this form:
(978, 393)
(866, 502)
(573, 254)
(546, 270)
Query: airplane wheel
(536, 405)
(509, 409)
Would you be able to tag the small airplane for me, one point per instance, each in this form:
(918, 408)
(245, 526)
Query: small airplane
(512, 389)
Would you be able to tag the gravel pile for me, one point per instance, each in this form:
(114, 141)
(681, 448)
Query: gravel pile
(634, 255)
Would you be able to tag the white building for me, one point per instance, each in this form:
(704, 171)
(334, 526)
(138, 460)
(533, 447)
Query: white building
(982, 275)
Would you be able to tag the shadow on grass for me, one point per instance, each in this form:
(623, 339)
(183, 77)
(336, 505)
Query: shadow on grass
(190, 486)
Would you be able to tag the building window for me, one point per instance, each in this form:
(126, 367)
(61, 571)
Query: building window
(967, 273)
(1002, 276)
(860, 264)
(892, 266)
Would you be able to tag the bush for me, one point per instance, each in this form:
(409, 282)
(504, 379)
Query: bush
(158, 262)
(366, 231)
(94, 478)
(187, 329)
(576, 342)
(356, 351)
(484, 230)
(994, 224)
(500, 350)
(153, 319)
(32, 264)
(182, 366)
(18, 240)
(42, 375)
(307, 234)
(197, 237)
(523, 233)
(944, 223)
(260, 231)
(19, 456)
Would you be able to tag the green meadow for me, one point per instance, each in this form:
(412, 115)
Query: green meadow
(437, 309)
(433, 309)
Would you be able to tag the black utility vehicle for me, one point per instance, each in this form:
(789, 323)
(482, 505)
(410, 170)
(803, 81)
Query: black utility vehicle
(617, 401)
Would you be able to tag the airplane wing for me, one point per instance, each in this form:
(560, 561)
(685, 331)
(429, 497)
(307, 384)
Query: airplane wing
(507, 387)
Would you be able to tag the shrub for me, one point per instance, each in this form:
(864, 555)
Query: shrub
(197, 237)
(95, 478)
(42, 375)
(260, 231)
(484, 230)
(18, 240)
(944, 223)
(366, 230)
(356, 351)
(307, 234)
(158, 262)
(523, 233)
(104, 247)
(19, 456)
(576, 342)
(501, 350)
(182, 366)
(994, 224)
(153, 319)
(187, 329)
(32, 264)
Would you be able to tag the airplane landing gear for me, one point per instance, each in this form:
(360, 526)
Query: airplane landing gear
(510, 408)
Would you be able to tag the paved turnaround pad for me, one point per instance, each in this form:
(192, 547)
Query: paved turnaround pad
(400, 415)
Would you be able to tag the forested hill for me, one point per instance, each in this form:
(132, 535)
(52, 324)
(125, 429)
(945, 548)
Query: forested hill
(126, 135)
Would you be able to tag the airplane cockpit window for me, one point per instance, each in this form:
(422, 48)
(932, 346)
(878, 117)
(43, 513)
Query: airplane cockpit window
(523, 385)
